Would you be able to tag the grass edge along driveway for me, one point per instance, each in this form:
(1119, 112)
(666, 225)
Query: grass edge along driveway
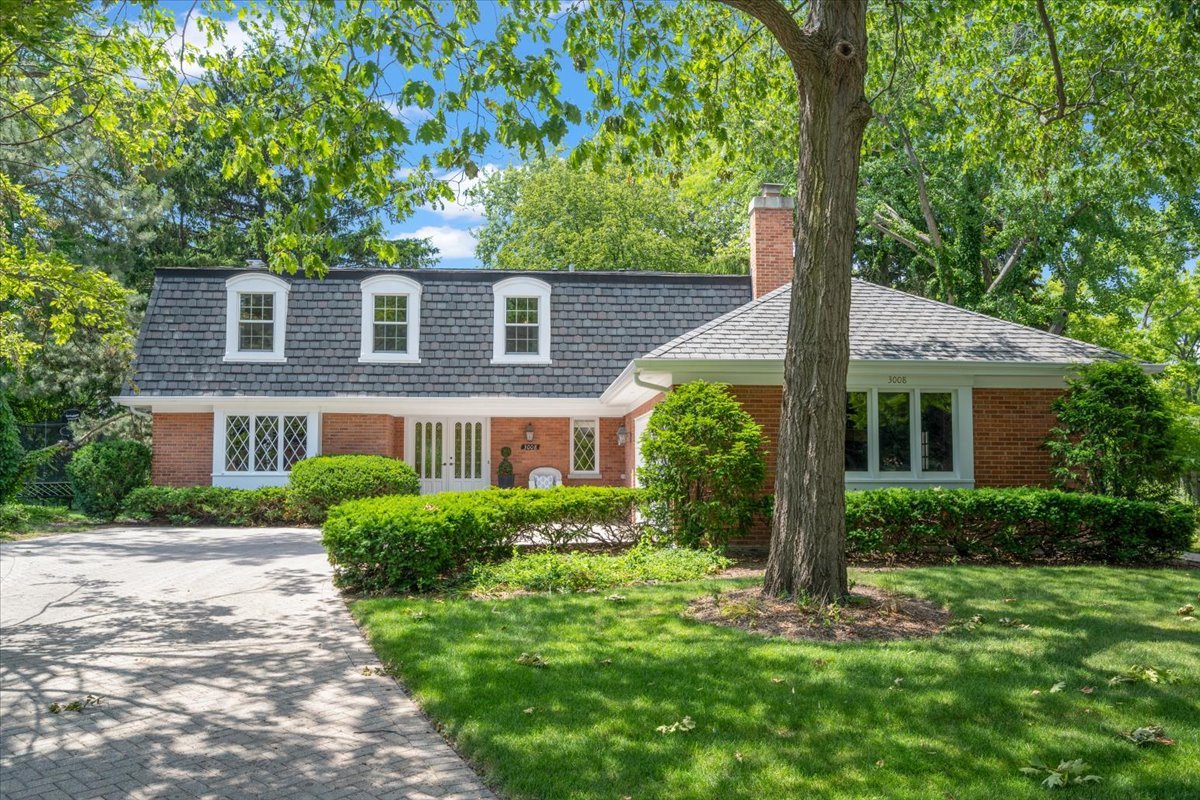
(954, 716)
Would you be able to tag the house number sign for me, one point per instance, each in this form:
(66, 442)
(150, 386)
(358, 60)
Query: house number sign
(897, 379)
(531, 447)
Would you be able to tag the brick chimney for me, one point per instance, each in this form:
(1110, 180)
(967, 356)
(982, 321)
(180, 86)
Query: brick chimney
(771, 244)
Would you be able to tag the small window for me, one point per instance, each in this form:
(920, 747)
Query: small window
(857, 435)
(265, 442)
(521, 328)
(937, 432)
(256, 322)
(895, 442)
(391, 319)
(520, 325)
(584, 451)
(255, 318)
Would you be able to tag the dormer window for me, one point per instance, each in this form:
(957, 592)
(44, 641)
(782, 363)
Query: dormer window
(391, 320)
(255, 318)
(521, 330)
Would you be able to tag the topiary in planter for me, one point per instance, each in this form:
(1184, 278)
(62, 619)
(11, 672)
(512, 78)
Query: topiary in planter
(504, 471)
(318, 484)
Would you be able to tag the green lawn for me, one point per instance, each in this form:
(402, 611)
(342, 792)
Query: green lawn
(954, 716)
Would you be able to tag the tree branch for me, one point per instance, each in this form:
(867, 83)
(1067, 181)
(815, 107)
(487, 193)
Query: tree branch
(796, 42)
(1013, 257)
(1060, 88)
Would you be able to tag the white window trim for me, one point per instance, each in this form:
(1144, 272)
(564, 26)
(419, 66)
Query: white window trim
(256, 479)
(390, 285)
(256, 284)
(572, 473)
(963, 475)
(521, 287)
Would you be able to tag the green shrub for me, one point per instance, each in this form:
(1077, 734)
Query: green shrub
(103, 473)
(213, 505)
(317, 484)
(13, 517)
(415, 543)
(1015, 525)
(11, 452)
(703, 465)
(576, 571)
(1115, 434)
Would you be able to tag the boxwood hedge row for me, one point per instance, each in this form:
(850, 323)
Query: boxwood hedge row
(1039, 525)
(415, 543)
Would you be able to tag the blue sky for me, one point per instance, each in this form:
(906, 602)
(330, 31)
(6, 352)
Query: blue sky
(450, 227)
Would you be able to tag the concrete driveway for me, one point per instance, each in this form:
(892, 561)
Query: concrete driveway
(226, 664)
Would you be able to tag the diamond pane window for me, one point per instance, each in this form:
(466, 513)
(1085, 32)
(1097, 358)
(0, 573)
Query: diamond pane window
(266, 444)
(390, 323)
(521, 325)
(256, 322)
(583, 446)
(295, 440)
(237, 444)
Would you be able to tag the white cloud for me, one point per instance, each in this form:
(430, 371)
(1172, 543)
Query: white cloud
(451, 242)
(462, 207)
(409, 113)
(229, 35)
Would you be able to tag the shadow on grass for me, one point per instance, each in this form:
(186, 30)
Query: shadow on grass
(952, 716)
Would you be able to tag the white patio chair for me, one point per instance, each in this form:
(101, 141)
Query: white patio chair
(544, 478)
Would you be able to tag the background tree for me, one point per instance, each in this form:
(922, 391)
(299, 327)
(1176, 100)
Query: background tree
(546, 215)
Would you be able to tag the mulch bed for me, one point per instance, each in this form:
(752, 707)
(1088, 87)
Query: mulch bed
(871, 614)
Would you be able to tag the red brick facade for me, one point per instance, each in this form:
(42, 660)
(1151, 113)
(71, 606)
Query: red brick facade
(183, 449)
(362, 434)
(552, 435)
(1010, 427)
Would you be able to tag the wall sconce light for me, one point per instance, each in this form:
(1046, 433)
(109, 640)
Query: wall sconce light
(529, 432)
(622, 436)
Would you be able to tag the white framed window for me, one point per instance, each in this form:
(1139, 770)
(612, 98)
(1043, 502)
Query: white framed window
(255, 318)
(521, 322)
(252, 449)
(391, 320)
(585, 448)
(899, 434)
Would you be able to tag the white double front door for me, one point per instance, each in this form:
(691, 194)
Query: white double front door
(450, 454)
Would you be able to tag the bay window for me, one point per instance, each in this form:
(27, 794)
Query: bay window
(908, 435)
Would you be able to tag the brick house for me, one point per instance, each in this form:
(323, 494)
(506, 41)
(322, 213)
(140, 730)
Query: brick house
(245, 372)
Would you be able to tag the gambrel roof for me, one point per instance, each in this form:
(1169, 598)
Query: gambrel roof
(885, 325)
(599, 321)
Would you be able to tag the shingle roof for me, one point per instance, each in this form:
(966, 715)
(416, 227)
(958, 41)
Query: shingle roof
(599, 322)
(885, 324)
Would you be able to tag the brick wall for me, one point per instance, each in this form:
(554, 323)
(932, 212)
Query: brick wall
(183, 449)
(1010, 427)
(771, 243)
(362, 434)
(553, 437)
(764, 403)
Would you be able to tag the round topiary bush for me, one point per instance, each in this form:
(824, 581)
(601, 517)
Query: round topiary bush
(103, 473)
(318, 484)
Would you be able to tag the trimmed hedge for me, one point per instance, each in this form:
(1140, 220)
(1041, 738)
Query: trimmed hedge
(1015, 525)
(213, 505)
(416, 543)
(318, 484)
(103, 473)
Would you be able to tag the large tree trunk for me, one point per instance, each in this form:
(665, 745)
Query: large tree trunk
(828, 55)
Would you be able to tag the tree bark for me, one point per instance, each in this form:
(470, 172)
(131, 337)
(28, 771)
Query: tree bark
(829, 56)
